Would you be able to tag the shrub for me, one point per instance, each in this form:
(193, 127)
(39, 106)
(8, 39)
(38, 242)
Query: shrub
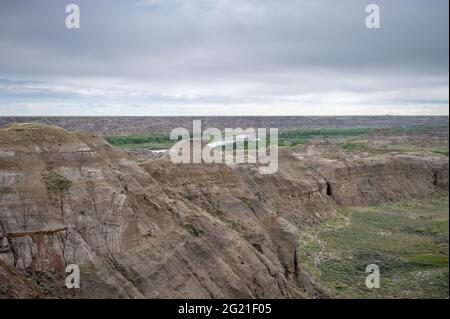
(55, 182)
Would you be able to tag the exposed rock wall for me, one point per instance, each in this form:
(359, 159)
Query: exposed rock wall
(391, 178)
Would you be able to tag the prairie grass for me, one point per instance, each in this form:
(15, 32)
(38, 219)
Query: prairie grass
(407, 240)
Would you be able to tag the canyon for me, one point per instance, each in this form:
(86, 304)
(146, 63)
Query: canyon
(148, 228)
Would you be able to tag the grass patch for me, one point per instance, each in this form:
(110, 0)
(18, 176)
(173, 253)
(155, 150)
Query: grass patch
(308, 133)
(440, 151)
(148, 146)
(300, 136)
(403, 129)
(151, 142)
(362, 145)
(286, 138)
(407, 240)
(437, 260)
(350, 146)
(31, 133)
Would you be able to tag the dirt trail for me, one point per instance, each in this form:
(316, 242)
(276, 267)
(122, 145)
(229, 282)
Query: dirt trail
(321, 255)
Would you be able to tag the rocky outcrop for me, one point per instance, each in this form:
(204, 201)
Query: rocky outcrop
(132, 235)
(376, 180)
(160, 230)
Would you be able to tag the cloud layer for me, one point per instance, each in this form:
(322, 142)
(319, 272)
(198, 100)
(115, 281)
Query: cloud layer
(223, 57)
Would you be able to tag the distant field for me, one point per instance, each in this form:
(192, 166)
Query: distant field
(364, 146)
(151, 142)
(126, 126)
(294, 137)
(415, 139)
(287, 138)
(407, 240)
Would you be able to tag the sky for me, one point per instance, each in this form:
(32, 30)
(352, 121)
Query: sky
(224, 57)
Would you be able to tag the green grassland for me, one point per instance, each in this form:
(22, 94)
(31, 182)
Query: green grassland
(295, 137)
(290, 137)
(360, 145)
(403, 142)
(407, 240)
(287, 138)
(151, 142)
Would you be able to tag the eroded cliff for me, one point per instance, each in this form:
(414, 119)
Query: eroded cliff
(154, 229)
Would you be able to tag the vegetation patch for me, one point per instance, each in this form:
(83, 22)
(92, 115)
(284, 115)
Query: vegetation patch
(293, 137)
(151, 142)
(407, 240)
(382, 148)
(286, 138)
(350, 146)
(31, 133)
(58, 188)
(247, 203)
(55, 182)
(440, 151)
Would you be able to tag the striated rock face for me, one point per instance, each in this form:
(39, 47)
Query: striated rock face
(379, 179)
(160, 230)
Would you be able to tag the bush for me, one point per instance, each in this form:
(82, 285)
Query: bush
(55, 182)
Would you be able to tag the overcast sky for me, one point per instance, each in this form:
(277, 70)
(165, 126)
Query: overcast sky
(224, 57)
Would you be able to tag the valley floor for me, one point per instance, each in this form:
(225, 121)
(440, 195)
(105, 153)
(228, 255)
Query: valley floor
(407, 240)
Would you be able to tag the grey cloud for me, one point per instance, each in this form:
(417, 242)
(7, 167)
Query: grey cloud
(226, 51)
